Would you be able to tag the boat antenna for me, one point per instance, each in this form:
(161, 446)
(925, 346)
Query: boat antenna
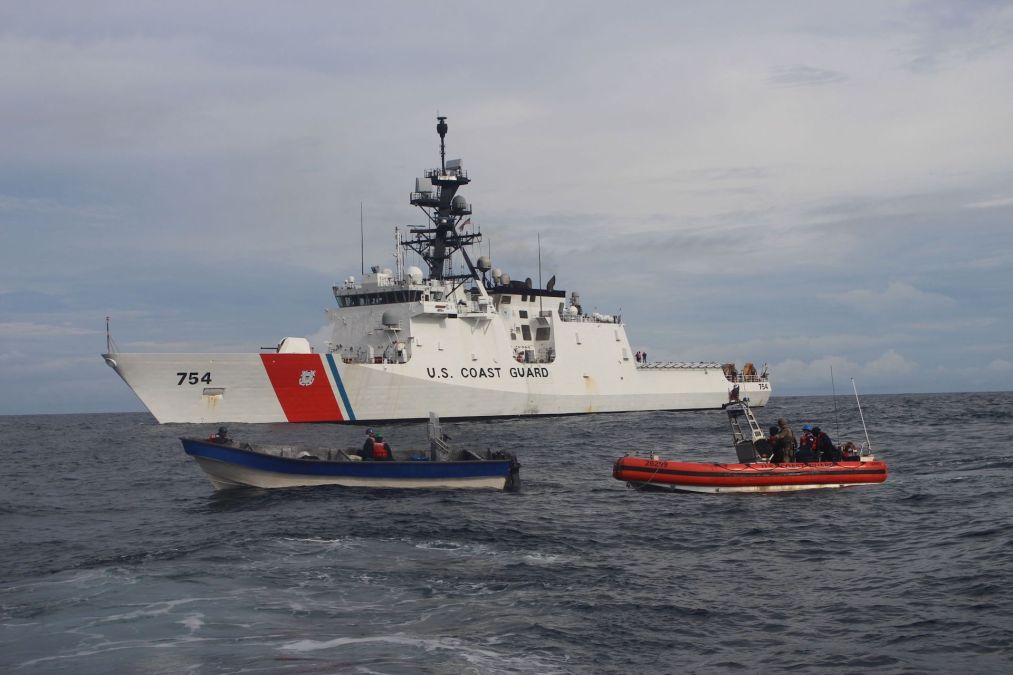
(539, 272)
(837, 424)
(864, 428)
(441, 129)
(109, 338)
(362, 244)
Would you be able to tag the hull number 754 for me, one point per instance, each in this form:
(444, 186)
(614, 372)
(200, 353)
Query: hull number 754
(193, 378)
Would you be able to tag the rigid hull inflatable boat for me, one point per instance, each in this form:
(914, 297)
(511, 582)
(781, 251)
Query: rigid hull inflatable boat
(754, 472)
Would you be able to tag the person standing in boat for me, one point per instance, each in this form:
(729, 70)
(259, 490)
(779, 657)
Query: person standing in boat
(806, 445)
(785, 438)
(826, 451)
(778, 456)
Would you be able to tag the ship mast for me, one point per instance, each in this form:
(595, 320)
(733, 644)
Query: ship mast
(436, 195)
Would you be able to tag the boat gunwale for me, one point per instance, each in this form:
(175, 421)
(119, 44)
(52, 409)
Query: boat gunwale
(762, 473)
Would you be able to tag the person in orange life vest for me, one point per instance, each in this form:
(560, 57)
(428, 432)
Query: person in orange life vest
(367, 447)
(825, 449)
(381, 450)
(806, 443)
(851, 452)
(221, 437)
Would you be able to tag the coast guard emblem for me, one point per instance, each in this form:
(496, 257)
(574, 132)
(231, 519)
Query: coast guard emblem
(307, 377)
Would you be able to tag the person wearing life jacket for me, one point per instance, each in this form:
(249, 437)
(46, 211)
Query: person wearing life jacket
(381, 450)
(806, 444)
(826, 451)
(221, 437)
(367, 446)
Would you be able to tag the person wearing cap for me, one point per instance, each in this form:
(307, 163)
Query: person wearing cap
(785, 440)
(381, 449)
(367, 447)
(778, 455)
(805, 445)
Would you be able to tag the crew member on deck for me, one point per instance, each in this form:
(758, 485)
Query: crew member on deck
(778, 456)
(367, 447)
(806, 444)
(851, 452)
(381, 450)
(826, 451)
(786, 440)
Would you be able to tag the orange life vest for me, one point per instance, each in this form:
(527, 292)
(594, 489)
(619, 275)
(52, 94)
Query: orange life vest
(381, 450)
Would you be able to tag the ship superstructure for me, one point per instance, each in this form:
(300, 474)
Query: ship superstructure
(474, 343)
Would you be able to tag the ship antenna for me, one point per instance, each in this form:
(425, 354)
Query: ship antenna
(109, 338)
(362, 244)
(441, 129)
(864, 428)
(837, 424)
(539, 272)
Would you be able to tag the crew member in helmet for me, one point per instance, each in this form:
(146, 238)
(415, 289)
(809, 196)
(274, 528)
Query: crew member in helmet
(381, 450)
(806, 443)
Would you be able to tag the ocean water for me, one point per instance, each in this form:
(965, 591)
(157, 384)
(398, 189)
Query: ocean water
(117, 556)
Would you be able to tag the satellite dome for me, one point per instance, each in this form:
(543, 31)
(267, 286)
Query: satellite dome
(459, 203)
(414, 274)
(484, 264)
(496, 274)
(390, 318)
(504, 279)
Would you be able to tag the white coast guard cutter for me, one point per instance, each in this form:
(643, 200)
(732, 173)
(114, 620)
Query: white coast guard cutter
(473, 344)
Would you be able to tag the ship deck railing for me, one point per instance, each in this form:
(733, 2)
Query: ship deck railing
(584, 318)
(668, 365)
(699, 365)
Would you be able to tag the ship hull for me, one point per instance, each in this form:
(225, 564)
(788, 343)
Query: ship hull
(264, 388)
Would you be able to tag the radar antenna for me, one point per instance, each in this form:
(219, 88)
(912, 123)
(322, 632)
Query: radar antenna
(441, 129)
(436, 195)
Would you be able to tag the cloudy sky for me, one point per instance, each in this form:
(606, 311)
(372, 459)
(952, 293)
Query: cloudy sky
(805, 184)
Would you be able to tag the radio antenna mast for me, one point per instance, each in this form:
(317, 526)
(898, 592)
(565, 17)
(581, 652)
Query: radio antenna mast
(867, 441)
(837, 425)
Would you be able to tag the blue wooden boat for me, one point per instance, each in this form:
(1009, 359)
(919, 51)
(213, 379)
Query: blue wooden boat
(231, 464)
